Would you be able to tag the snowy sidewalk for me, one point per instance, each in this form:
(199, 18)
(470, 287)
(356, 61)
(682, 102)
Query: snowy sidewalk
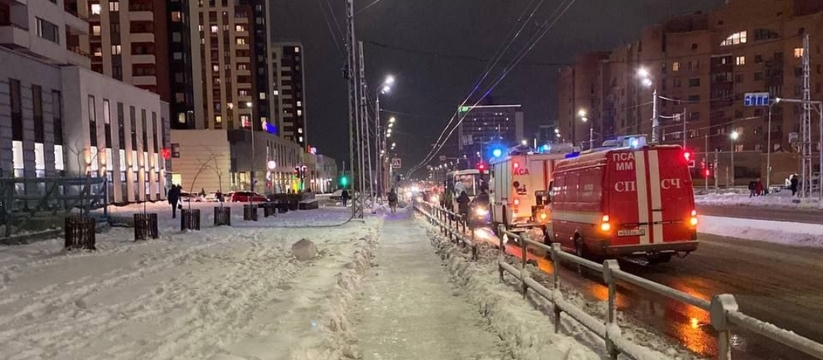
(411, 311)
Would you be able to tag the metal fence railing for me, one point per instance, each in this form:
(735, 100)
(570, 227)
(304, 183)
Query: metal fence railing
(723, 310)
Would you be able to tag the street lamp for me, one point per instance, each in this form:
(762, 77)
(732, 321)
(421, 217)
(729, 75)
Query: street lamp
(582, 114)
(524, 142)
(733, 137)
(392, 120)
(645, 79)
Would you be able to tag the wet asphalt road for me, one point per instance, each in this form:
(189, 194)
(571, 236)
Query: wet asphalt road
(774, 283)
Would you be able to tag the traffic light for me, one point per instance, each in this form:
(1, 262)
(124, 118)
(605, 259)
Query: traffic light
(482, 167)
(687, 155)
(344, 181)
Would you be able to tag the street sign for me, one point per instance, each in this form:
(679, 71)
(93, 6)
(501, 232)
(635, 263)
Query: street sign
(442, 157)
(395, 163)
(756, 99)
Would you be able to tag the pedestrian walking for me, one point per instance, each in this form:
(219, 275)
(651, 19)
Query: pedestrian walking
(393, 201)
(219, 196)
(752, 185)
(758, 187)
(463, 204)
(174, 198)
(345, 196)
(794, 181)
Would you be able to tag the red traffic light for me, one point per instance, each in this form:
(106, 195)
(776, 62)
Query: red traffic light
(481, 166)
(687, 155)
(708, 173)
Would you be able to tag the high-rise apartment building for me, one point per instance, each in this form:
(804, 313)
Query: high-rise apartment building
(701, 65)
(234, 71)
(62, 119)
(289, 91)
(487, 125)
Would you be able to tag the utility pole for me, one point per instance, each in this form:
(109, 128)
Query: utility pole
(378, 134)
(706, 161)
(655, 118)
(357, 207)
(365, 147)
(806, 126)
(684, 128)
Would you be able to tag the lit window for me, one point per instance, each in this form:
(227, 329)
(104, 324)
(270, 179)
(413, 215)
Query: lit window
(300, 130)
(798, 53)
(114, 6)
(176, 16)
(299, 112)
(95, 9)
(676, 66)
(181, 118)
(275, 92)
(95, 30)
(214, 29)
(200, 28)
(215, 68)
(230, 106)
(218, 119)
(241, 41)
(299, 103)
(240, 28)
(740, 60)
(297, 50)
(734, 39)
(262, 95)
(116, 49)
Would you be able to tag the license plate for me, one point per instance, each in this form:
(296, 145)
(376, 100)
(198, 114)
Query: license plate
(632, 232)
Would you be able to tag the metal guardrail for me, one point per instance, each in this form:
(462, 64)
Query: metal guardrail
(723, 308)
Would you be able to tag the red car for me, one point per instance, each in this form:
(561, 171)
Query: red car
(246, 196)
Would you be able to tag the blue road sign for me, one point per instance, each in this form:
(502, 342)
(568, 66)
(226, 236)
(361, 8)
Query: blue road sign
(756, 99)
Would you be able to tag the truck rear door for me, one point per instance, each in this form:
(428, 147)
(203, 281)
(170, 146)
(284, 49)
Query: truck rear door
(676, 195)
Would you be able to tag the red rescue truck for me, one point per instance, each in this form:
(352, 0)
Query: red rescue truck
(625, 202)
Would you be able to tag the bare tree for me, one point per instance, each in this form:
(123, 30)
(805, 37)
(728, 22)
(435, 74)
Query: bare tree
(210, 163)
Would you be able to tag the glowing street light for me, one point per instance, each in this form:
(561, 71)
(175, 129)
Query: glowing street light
(647, 82)
(392, 119)
(389, 80)
(643, 73)
(581, 113)
(524, 142)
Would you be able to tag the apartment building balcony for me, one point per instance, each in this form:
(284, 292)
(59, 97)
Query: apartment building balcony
(14, 26)
(143, 59)
(77, 56)
(141, 37)
(144, 80)
(243, 72)
(141, 15)
(76, 21)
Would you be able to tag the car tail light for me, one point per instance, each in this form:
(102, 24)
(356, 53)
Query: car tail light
(516, 202)
(693, 219)
(604, 223)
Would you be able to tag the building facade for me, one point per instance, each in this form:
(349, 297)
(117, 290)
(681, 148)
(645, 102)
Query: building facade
(701, 65)
(222, 160)
(288, 69)
(70, 121)
(486, 125)
(52, 31)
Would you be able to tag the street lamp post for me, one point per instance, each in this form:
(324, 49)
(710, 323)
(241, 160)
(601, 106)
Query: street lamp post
(645, 79)
(733, 136)
(582, 114)
(380, 142)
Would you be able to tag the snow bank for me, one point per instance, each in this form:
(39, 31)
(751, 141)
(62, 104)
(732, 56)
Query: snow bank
(779, 232)
(529, 331)
(525, 331)
(340, 337)
(782, 199)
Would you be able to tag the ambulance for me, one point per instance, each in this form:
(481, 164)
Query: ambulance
(634, 201)
(520, 188)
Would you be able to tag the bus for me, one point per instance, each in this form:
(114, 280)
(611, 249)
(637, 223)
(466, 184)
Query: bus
(470, 180)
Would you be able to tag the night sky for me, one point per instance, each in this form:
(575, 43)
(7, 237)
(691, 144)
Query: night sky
(436, 50)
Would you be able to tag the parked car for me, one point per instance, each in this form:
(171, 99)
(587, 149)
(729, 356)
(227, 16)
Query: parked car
(189, 197)
(246, 196)
(211, 197)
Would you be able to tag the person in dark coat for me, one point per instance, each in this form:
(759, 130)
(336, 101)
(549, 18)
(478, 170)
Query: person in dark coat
(758, 187)
(174, 198)
(752, 187)
(793, 186)
(393, 201)
(345, 196)
(463, 203)
(219, 196)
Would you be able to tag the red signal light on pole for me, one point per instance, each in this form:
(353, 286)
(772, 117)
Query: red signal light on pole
(687, 155)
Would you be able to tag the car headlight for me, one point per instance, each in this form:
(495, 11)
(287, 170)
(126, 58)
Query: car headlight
(481, 211)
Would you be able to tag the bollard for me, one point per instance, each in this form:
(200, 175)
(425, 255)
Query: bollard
(556, 280)
(79, 232)
(608, 277)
